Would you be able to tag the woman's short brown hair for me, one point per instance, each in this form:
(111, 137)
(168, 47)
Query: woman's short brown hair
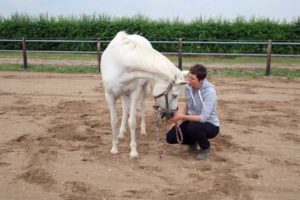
(199, 70)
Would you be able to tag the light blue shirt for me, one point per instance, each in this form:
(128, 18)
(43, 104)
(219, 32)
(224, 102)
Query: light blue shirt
(203, 102)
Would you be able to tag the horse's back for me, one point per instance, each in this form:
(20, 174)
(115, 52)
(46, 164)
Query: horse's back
(140, 40)
(114, 60)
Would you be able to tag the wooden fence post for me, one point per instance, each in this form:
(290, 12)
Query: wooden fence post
(180, 53)
(24, 54)
(99, 53)
(269, 55)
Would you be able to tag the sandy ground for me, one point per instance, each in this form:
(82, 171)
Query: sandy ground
(55, 138)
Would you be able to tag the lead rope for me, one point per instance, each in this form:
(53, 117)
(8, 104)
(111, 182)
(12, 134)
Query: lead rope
(178, 133)
(163, 148)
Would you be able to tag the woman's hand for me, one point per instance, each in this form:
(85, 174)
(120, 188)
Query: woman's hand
(184, 117)
(177, 117)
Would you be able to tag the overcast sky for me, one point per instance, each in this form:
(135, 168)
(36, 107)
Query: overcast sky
(186, 10)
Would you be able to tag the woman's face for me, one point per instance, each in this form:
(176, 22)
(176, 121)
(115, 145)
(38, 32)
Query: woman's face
(193, 81)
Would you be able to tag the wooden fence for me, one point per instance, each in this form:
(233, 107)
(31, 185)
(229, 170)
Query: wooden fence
(180, 53)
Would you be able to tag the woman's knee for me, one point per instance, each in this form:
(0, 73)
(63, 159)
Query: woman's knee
(194, 127)
(171, 137)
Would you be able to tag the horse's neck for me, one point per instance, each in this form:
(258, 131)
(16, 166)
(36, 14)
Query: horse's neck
(151, 66)
(153, 75)
(141, 61)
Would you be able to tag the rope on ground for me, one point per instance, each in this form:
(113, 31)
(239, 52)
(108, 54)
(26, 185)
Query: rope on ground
(161, 148)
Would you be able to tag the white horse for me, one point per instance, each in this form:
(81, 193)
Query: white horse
(126, 65)
(143, 87)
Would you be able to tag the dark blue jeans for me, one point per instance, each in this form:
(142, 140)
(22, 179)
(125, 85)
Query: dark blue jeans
(194, 132)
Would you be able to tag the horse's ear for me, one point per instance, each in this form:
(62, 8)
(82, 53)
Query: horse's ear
(185, 73)
(181, 77)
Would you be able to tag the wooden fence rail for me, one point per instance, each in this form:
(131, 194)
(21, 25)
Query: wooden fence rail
(180, 54)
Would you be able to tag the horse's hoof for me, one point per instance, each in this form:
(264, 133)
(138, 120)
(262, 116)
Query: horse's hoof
(114, 151)
(120, 136)
(144, 133)
(134, 155)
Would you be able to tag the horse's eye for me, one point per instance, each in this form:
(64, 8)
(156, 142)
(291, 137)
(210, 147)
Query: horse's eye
(174, 96)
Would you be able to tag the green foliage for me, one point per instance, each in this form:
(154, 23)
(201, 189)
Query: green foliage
(240, 73)
(50, 68)
(291, 74)
(11, 68)
(90, 27)
(257, 73)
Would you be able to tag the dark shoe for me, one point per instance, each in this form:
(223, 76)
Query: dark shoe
(193, 147)
(204, 154)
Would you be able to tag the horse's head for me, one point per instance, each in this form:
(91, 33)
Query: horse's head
(166, 96)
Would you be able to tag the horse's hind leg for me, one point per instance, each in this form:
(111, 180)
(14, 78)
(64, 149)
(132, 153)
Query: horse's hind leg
(132, 123)
(145, 92)
(125, 105)
(111, 101)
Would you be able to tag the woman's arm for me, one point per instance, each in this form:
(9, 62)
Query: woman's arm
(184, 116)
(185, 109)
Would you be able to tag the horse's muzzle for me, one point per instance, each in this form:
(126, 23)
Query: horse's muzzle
(168, 114)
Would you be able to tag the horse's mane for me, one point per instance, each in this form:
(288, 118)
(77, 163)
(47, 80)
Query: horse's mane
(143, 58)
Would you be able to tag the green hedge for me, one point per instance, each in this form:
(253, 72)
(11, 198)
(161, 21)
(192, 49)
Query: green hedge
(90, 27)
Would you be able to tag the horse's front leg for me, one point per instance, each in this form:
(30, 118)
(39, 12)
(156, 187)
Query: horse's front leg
(111, 101)
(132, 123)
